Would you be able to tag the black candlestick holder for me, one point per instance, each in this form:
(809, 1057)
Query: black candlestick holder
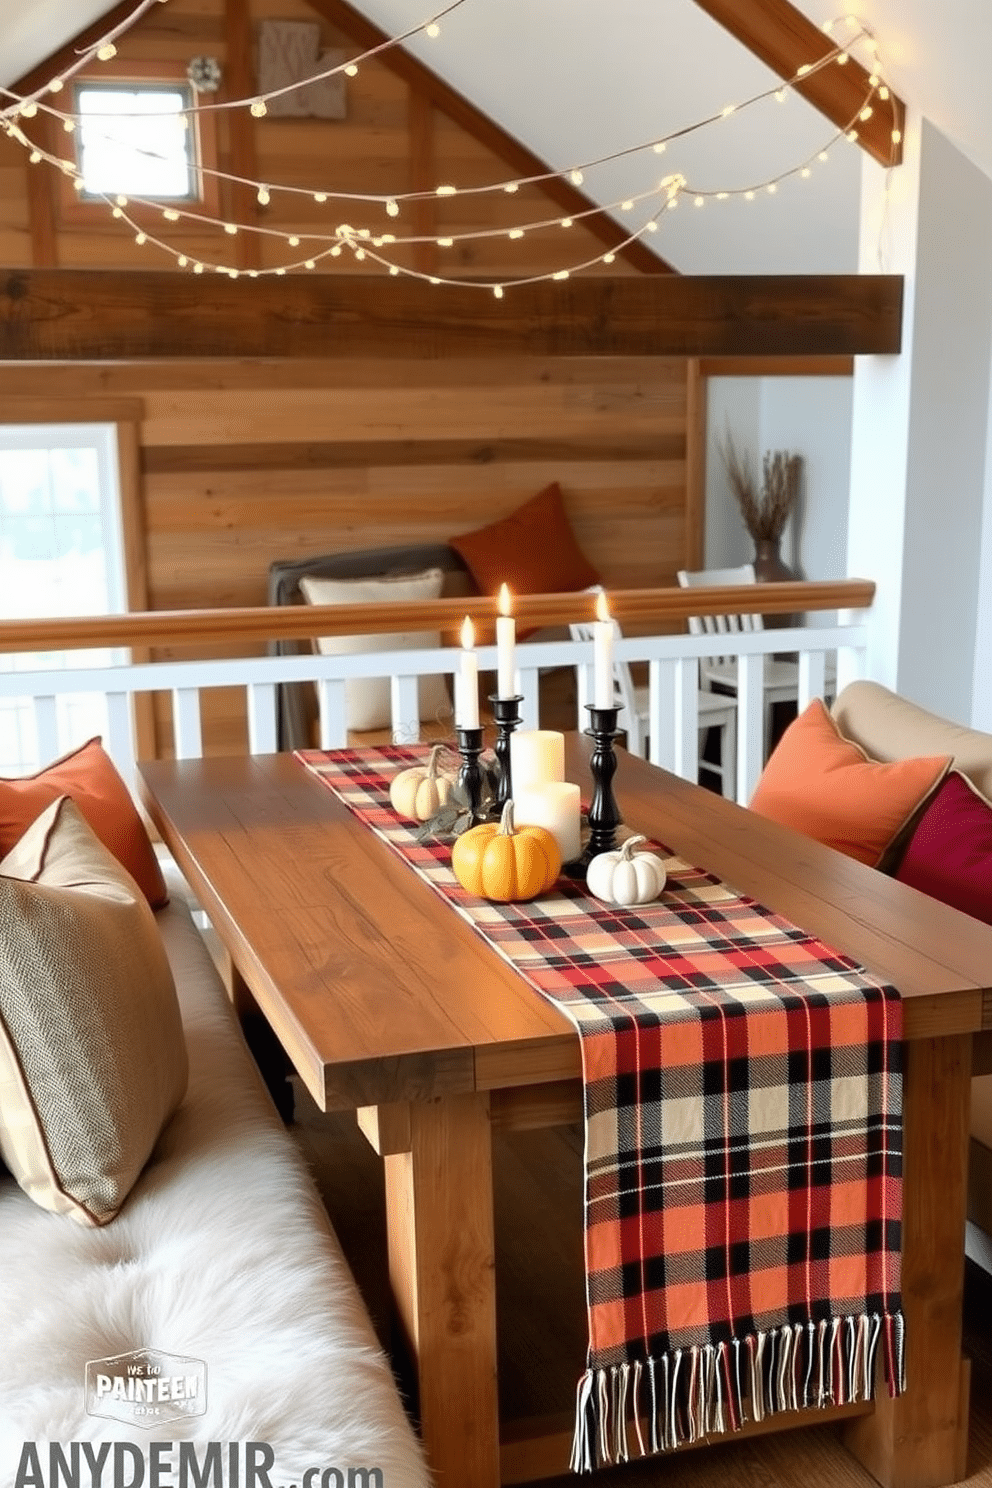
(470, 776)
(506, 711)
(604, 814)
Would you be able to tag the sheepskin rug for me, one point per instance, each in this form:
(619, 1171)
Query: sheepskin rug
(222, 1253)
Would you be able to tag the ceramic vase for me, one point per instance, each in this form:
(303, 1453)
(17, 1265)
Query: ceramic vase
(771, 568)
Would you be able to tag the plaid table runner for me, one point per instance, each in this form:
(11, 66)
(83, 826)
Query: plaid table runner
(743, 1125)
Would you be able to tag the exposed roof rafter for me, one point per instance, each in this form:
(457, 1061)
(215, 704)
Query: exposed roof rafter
(784, 39)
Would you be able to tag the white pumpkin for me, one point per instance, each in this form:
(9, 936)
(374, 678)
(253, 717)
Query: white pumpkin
(418, 792)
(626, 876)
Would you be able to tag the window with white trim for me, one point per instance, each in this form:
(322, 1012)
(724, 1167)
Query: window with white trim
(61, 553)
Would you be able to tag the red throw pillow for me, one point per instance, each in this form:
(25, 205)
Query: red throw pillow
(87, 775)
(533, 550)
(822, 785)
(950, 853)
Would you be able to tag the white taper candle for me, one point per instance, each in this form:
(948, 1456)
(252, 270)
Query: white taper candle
(467, 700)
(603, 637)
(506, 639)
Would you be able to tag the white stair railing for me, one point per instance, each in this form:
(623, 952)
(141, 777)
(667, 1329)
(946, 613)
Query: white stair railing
(672, 660)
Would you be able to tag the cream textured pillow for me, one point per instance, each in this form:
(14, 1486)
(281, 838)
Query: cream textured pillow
(368, 697)
(92, 1054)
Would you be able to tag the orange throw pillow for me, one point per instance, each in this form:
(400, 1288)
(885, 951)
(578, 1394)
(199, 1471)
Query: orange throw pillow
(822, 785)
(89, 776)
(533, 550)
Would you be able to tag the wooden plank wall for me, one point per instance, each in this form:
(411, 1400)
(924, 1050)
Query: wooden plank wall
(240, 463)
(342, 456)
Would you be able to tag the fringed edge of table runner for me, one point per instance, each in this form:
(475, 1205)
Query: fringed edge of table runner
(715, 1388)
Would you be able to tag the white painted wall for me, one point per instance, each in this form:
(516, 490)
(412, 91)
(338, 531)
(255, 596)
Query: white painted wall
(880, 413)
(809, 416)
(982, 689)
(920, 431)
(951, 351)
(981, 707)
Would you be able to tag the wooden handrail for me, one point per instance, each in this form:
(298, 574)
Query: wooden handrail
(303, 622)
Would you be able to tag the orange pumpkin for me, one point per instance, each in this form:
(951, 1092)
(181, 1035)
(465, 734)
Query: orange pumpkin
(498, 861)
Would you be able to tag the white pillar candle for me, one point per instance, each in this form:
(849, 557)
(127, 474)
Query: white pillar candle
(467, 690)
(506, 639)
(603, 635)
(537, 757)
(555, 806)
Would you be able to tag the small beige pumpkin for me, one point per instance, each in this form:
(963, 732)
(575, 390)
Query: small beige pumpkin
(418, 792)
(626, 876)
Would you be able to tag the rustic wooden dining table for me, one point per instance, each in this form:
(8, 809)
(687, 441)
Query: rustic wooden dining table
(390, 1005)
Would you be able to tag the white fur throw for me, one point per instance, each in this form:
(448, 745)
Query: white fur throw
(221, 1253)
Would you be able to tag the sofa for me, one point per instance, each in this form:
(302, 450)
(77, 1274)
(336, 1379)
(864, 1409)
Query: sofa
(220, 1272)
(888, 727)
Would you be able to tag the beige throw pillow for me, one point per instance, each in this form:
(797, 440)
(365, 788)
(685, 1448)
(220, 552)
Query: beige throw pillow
(92, 1054)
(368, 701)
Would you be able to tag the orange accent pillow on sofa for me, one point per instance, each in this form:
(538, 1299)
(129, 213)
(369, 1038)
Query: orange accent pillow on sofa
(822, 785)
(89, 776)
(533, 550)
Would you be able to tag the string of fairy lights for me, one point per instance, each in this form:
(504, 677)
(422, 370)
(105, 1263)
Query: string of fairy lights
(307, 248)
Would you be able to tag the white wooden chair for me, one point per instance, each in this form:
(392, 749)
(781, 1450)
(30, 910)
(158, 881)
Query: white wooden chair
(781, 676)
(715, 711)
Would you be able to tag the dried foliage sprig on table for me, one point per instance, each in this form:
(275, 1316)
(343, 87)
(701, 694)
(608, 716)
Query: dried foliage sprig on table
(456, 815)
(764, 514)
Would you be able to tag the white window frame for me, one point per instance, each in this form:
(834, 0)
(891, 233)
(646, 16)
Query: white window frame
(101, 437)
(137, 86)
(76, 209)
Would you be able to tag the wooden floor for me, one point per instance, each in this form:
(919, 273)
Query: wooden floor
(542, 1317)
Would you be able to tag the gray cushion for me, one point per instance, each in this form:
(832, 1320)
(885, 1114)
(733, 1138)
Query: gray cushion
(295, 699)
(365, 563)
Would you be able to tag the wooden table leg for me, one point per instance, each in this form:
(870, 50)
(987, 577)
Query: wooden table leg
(439, 1207)
(241, 996)
(919, 1440)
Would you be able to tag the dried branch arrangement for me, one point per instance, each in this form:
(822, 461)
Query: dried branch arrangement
(764, 513)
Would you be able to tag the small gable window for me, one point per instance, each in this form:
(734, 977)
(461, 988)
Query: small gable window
(138, 139)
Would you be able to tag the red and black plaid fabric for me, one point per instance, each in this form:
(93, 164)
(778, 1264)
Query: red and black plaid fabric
(743, 1142)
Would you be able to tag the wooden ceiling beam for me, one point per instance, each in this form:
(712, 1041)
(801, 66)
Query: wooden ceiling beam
(455, 105)
(784, 39)
(782, 366)
(101, 315)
